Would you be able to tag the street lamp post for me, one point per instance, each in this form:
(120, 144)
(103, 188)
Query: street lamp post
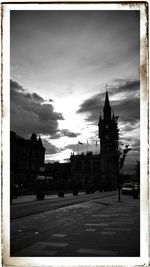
(121, 160)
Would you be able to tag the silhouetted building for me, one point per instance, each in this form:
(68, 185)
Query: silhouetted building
(102, 169)
(58, 170)
(85, 168)
(108, 134)
(26, 157)
(49, 169)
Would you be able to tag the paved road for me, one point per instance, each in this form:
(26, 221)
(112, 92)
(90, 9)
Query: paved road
(25, 209)
(32, 198)
(99, 227)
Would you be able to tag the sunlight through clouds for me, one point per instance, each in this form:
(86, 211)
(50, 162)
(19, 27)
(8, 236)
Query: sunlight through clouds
(82, 51)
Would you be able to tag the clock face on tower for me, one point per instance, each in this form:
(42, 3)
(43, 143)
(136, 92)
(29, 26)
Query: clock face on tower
(107, 137)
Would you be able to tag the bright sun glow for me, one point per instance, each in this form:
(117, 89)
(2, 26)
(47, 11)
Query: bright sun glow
(62, 156)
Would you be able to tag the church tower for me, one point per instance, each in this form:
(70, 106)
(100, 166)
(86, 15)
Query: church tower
(108, 134)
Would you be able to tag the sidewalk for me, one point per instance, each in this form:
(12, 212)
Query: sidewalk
(99, 227)
(31, 198)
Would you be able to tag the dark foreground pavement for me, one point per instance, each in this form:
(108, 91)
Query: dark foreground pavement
(99, 227)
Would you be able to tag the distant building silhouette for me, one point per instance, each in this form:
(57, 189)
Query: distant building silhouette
(100, 170)
(58, 170)
(26, 157)
(85, 169)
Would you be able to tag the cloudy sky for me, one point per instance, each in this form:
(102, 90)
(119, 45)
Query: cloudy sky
(60, 64)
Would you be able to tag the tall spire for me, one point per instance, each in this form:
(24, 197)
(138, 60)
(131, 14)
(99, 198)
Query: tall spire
(107, 108)
(107, 99)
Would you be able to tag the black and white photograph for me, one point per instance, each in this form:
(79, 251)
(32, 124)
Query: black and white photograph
(76, 106)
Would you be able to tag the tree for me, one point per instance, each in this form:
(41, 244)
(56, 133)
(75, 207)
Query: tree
(123, 155)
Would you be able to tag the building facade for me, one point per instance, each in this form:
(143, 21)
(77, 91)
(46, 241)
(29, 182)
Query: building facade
(58, 170)
(102, 169)
(85, 169)
(26, 157)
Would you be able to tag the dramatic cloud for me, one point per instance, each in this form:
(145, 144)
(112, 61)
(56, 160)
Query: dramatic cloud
(128, 127)
(15, 86)
(30, 114)
(68, 133)
(127, 105)
(82, 48)
(50, 149)
(137, 145)
(128, 109)
(37, 98)
(130, 86)
(64, 132)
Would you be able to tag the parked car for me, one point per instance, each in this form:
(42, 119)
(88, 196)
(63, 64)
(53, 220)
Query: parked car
(127, 188)
(137, 186)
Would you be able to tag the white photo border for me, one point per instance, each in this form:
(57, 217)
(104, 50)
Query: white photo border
(74, 261)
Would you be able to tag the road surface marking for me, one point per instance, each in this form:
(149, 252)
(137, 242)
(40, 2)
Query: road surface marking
(38, 249)
(59, 235)
(98, 252)
(102, 215)
(124, 220)
(117, 229)
(114, 215)
(55, 244)
(108, 233)
(90, 230)
(19, 230)
(46, 253)
(120, 223)
(97, 224)
(36, 233)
